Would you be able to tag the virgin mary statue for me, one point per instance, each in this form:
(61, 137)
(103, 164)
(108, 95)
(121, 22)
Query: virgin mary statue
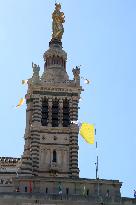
(57, 24)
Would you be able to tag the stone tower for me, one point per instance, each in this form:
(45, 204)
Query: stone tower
(51, 140)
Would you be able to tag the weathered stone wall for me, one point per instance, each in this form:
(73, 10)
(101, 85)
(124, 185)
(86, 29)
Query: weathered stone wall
(77, 186)
(30, 199)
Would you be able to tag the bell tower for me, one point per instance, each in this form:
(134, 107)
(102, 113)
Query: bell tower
(51, 140)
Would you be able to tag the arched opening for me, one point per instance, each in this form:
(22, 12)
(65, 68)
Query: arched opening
(87, 192)
(61, 61)
(54, 156)
(53, 60)
(58, 60)
(44, 120)
(46, 190)
(66, 113)
(55, 113)
(25, 188)
(64, 64)
(67, 191)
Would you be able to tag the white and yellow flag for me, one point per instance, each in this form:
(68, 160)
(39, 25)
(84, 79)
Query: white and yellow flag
(24, 82)
(21, 102)
(86, 81)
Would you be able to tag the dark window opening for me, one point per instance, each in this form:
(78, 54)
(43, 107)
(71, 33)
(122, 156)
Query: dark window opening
(25, 188)
(66, 111)
(67, 191)
(87, 192)
(55, 138)
(44, 120)
(64, 64)
(53, 59)
(57, 59)
(46, 190)
(55, 113)
(61, 61)
(50, 61)
(54, 156)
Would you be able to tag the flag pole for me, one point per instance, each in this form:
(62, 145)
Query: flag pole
(97, 177)
(97, 169)
(97, 161)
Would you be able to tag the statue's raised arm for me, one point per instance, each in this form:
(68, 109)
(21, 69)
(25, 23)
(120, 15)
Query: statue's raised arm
(57, 24)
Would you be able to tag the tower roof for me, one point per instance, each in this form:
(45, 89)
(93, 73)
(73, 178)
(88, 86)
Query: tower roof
(55, 57)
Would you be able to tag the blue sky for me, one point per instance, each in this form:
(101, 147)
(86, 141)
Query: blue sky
(99, 35)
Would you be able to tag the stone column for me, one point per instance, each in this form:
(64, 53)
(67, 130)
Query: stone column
(75, 108)
(70, 140)
(35, 135)
(74, 139)
(26, 162)
(70, 110)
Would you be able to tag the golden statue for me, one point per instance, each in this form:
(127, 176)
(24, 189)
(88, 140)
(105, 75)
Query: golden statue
(57, 24)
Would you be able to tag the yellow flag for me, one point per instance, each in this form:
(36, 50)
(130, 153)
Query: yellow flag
(87, 131)
(21, 102)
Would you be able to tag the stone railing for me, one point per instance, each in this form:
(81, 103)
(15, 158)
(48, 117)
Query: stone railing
(67, 82)
(8, 161)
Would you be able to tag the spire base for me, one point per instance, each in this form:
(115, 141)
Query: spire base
(55, 43)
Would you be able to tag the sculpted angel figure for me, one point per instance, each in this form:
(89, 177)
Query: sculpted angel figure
(57, 24)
